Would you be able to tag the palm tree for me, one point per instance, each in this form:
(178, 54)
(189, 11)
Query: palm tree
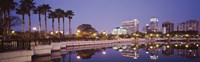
(58, 15)
(7, 6)
(63, 16)
(38, 11)
(52, 15)
(22, 11)
(45, 8)
(29, 4)
(69, 15)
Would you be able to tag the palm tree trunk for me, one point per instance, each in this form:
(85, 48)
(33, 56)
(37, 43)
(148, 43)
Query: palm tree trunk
(40, 25)
(29, 25)
(45, 23)
(59, 24)
(4, 25)
(69, 26)
(63, 25)
(9, 24)
(53, 25)
(23, 23)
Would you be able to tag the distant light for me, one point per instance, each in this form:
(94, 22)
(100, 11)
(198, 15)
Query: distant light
(151, 47)
(157, 35)
(78, 31)
(168, 35)
(157, 45)
(34, 28)
(186, 46)
(51, 33)
(151, 34)
(197, 45)
(168, 46)
(13, 32)
(186, 35)
(94, 34)
(176, 45)
(78, 57)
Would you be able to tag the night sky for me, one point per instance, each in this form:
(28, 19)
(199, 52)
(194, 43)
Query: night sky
(108, 14)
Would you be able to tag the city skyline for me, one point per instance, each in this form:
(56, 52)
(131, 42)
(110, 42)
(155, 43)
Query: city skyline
(100, 14)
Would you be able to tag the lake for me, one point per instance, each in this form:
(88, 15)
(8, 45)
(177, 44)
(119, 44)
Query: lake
(150, 52)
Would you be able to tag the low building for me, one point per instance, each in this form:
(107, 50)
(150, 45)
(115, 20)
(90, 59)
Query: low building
(119, 31)
(190, 25)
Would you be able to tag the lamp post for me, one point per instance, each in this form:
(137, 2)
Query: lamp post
(34, 32)
(187, 37)
(169, 37)
(34, 29)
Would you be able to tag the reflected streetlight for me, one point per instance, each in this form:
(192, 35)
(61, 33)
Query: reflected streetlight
(120, 50)
(147, 52)
(103, 52)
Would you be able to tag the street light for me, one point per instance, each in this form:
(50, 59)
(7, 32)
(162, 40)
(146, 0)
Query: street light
(151, 35)
(78, 57)
(187, 35)
(13, 32)
(168, 35)
(52, 33)
(157, 35)
(78, 31)
(34, 28)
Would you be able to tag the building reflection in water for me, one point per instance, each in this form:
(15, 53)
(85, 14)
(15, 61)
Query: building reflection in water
(55, 56)
(167, 50)
(152, 50)
(45, 58)
(85, 54)
(131, 51)
(191, 51)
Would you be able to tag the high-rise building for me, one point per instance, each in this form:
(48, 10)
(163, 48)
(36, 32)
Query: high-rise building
(119, 30)
(190, 25)
(146, 28)
(167, 26)
(153, 25)
(132, 26)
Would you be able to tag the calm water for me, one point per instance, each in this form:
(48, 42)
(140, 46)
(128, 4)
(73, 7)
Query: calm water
(129, 53)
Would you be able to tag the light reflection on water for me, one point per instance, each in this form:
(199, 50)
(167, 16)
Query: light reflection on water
(130, 53)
